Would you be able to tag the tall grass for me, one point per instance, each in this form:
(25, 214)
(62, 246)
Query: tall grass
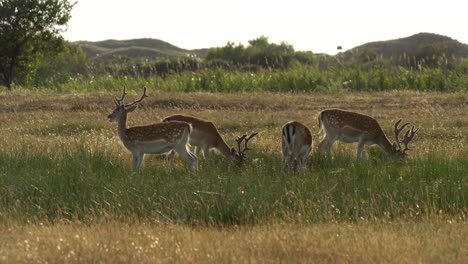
(299, 78)
(64, 163)
(90, 186)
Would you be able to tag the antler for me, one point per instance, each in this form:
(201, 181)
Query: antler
(246, 140)
(120, 101)
(143, 96)
(397, 132)
(407, 137)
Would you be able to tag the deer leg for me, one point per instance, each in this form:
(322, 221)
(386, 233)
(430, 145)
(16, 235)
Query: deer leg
(287, 161)
(171, 160)
(190, 158)
(137, 160)
(285, 156)
(321, 145)
(194, 161)
(198, 151)
(360, 148)
(292, 163)
(170, 155)
(206, 151)
(299, 165)
(326, 143)
(304, 156)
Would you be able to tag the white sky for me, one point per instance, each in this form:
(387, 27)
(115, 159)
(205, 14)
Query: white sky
(319, 26)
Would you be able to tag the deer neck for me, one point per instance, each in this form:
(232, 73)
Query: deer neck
(224, 148)
(122, 127)
(385, 144)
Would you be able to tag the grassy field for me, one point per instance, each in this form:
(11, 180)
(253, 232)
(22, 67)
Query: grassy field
(68, 193)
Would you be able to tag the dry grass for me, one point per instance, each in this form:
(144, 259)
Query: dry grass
(323, 243)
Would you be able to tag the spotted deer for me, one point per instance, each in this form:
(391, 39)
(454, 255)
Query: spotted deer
(205, 137)
(151, 139)
(296, 145)
(351, 127)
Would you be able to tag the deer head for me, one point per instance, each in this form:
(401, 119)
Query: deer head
(409, 135)
(240, 154)
(121, 109)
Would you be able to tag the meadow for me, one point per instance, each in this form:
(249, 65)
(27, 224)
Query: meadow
(68, 192)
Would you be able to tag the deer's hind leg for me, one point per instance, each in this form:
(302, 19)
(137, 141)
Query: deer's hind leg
(326, 144)
(137, 160)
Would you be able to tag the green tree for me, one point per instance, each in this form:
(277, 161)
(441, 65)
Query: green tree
(28, 28)
(57, 68)
(260, 52)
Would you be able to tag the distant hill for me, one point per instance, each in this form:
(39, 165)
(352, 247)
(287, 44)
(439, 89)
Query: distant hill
(135, 48)
(422, 44)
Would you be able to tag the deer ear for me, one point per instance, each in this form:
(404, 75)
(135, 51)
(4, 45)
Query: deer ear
(131, 108)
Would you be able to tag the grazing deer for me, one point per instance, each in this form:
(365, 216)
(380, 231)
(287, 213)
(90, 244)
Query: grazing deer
(152, 139)
(297, 144)
(205, 136)
(351, 127)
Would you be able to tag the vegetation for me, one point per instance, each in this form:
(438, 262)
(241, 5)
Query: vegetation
(426, 242)
(424, 62)
(259, 53)
(29, 29)
(66, 171)
(66, 165)
(68, 192)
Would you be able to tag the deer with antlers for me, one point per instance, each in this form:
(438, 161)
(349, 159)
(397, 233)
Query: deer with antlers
(296, 144)
(205, 137)
(151, 139)
(351, 127)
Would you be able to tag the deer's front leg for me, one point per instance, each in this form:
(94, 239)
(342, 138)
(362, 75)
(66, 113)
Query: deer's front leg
(171, 160)
(360, 149)
(206, 151)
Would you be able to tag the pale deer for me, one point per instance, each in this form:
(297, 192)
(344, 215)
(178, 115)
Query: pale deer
(351, 127)
(151, 139)
(205, 137)
(296, 144)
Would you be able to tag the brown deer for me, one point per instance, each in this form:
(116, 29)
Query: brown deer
(205, 136)
(151, 139)
(351, 127)
(296, 145)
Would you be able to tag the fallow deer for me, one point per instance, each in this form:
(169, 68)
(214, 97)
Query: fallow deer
(296, 144)
(151, 139)
(205, 136)
(351, 127)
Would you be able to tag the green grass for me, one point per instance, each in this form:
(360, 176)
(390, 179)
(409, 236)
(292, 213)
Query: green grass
(296, 79)
(89, 185)
(61, 161)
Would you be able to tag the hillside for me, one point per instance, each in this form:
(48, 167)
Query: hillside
(135, 48)
(419, 45)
